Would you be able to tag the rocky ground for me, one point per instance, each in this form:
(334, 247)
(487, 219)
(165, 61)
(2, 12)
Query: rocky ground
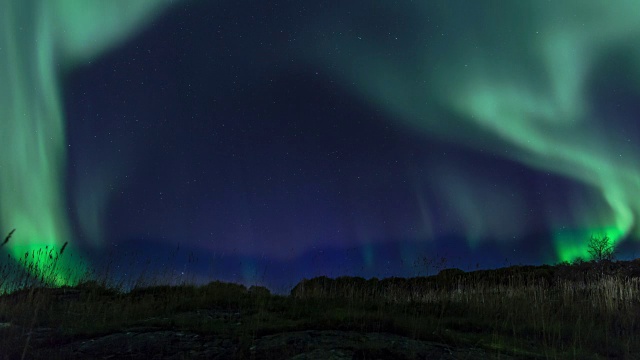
(150, 342)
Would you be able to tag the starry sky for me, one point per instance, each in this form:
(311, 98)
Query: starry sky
(265, 142)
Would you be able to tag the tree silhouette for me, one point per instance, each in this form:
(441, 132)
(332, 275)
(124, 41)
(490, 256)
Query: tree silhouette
(601, 248)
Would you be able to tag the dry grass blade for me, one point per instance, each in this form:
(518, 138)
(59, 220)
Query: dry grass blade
(6, 240)
(64, 247)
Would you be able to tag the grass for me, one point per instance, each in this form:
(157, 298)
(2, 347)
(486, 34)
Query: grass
(585, 310)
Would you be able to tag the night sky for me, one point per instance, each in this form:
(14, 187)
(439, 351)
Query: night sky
(266, 142)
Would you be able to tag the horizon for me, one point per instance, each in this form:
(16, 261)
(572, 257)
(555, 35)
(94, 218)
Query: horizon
(176, 264)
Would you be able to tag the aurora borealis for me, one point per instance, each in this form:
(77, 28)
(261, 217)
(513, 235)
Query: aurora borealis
(319, 138)
(38, 41)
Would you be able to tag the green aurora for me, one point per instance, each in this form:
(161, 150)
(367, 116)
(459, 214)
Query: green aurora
(511, 78)
(502, 76)
(39, 41)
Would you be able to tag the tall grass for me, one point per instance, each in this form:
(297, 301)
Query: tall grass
(598, 314)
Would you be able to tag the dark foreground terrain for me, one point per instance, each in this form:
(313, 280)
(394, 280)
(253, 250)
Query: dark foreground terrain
(161, 343)
(579, 311)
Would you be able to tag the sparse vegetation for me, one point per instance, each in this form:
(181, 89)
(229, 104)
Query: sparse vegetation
(566, 311)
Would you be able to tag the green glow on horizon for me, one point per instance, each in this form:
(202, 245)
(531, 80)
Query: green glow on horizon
(46, 263)
(39, 39)
(508, 78)
(572, 244)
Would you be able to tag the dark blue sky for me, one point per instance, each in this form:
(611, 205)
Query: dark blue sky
(264, 143)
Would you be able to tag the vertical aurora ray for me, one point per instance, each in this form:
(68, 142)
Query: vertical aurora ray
(511, 78)
(38, 40)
